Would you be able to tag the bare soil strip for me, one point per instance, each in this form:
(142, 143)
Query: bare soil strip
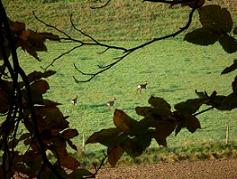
(207, 169)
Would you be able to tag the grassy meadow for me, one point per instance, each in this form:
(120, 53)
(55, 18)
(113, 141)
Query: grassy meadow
(174, 69)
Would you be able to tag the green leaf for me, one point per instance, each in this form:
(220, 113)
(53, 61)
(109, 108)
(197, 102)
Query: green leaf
(230, 68)
(114, 154)
(80, 173)
(190, 106)
(107, 137)
(123, 122)
(216, 18)
(161, 106)
(228, 43)
(202, 36)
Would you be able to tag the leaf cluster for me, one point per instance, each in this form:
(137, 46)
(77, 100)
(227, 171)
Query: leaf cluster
(217, 24)
(133, 137)
(23, 103)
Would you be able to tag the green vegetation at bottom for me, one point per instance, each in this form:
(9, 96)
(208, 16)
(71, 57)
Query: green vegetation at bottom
(204, 151)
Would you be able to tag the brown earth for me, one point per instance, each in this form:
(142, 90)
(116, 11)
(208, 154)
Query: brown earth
(207, 169)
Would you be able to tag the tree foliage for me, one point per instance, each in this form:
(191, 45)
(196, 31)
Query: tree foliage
(47, 131)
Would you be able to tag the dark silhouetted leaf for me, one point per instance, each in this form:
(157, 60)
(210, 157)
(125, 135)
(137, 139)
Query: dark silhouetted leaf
(161, 106)
(228, 43)
(50, 103)
(80, 173)
(143, 111)
(135, 145)
(229, 103)
(230, 68)
(66, 160)
(194, 3)
(49, 36)
(114, 154)
(186, 120)
(73, 146)
(163, 130)
(16, 27)
(122, 121)
(202, 95)
(234, 85)
(235, 31)
(106, 137)
(4, 101)
(192, 123)
(40, 86)
(215, 100)
(52, 117)
(202, 36)
(216, 18)
(190, 106)
(36, 75)
(69, 133)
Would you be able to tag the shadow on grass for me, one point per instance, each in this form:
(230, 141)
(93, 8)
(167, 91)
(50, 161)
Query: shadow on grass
(101, 108)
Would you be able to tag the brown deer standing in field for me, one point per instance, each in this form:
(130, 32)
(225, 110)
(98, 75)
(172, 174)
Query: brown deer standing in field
(141, 87)
(111, 102)
(74, 100)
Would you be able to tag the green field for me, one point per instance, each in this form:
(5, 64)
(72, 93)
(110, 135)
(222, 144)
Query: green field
(173, 69)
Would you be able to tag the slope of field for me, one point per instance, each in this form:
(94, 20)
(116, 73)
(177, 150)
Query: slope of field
(120, 20)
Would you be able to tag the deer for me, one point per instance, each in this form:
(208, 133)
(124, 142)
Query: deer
(110, 103)
(74, 100)
(141, 87)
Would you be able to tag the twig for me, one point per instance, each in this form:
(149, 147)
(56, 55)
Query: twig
(60, 56)
(172, 2)
(208, 109)
(98, 169)
(129, 51)
(104, 5)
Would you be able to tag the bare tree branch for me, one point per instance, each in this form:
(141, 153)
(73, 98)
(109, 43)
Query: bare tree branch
(130, 50)
(15, 71)
(105, 4)
(172, 2)
(205, 110)
(126, 51)
(98, 169)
